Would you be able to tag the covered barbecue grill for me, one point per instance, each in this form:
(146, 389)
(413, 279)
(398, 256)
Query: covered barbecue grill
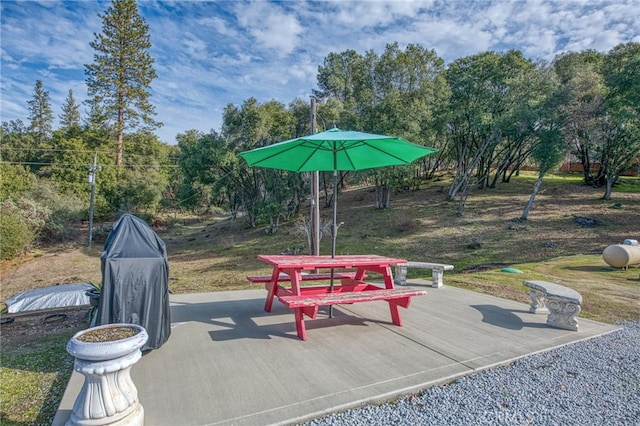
(135, 276)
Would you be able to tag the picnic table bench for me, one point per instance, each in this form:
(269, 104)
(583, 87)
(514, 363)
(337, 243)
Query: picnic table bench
(312, 298)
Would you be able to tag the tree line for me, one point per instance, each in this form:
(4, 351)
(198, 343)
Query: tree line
(488, 114)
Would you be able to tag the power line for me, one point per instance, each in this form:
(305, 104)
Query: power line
(78, 151)
(11, 148)
(34, 163)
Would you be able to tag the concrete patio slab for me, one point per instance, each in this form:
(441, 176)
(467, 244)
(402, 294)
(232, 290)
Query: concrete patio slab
(228, 362)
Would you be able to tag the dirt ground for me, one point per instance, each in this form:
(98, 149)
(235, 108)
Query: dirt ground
(37, 266)
(18, 329)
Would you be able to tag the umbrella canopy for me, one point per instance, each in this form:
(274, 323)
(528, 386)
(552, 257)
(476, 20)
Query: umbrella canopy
(336, 150)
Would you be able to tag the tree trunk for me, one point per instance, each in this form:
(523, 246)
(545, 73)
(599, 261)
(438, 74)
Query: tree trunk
(536, 188)
(382, 194)
(120, 137)
(457, 183)
(462, 178)
(119, 150)
(609, 186)
(462, 202)
(325, 188)
(586, 164)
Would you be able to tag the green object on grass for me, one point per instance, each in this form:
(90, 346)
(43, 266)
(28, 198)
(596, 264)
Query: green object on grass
(511, 270)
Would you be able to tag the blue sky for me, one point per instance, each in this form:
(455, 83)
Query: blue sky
(209, 54)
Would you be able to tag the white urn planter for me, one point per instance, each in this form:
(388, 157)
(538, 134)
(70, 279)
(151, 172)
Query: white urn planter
(105, 355)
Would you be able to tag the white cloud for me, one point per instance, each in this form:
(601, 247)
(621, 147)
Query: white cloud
(451, 39)
(270, 25)
(211, 53)
(218, 24)
(194, 46)
(358, 15)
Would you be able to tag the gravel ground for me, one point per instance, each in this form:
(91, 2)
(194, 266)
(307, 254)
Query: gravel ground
(595, 382)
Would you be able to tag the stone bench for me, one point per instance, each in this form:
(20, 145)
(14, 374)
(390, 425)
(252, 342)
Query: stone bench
(437, 272)
(560, 302)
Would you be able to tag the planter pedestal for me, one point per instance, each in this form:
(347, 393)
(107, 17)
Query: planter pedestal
(108, 395)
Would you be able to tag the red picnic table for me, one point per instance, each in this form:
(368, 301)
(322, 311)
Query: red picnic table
(351, 287)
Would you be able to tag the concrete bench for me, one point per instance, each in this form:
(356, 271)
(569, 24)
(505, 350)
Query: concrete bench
(560, 302)
(437, 272)
(263, 279)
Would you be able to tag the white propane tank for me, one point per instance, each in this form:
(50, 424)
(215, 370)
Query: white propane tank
(622, 255)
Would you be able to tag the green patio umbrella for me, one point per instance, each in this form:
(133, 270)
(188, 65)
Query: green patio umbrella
(336, 150)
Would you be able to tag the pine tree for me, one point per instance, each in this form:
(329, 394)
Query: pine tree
(70, 117)
(122, 71)
(40, 115)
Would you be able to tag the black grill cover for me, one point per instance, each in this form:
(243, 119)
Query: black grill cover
(135, 280)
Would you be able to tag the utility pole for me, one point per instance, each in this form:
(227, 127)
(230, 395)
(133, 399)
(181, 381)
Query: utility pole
(315, 189)
(92, 180)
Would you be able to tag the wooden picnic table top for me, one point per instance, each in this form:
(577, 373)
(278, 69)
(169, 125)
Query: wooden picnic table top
(341, 261)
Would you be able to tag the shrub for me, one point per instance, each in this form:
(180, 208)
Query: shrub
(15, 235)
(101, 232)
(138, 191)
(65, 209)
(32, 213)
(14, 181)
(404, 222)
(23, 220)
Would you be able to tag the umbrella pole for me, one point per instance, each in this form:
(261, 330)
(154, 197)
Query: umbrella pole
(334, 231)
(335, 213)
